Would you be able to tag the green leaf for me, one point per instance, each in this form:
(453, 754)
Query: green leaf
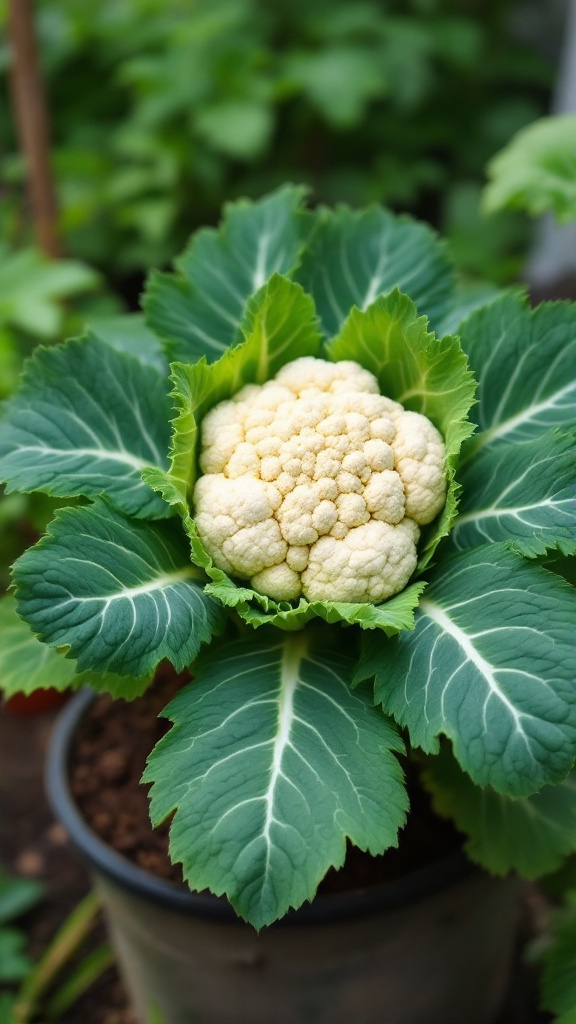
(14, 964)
(26, 665)
(353, 257)
(467, 298)
(128, 333)
(272, 763)
(424, 374)
(531, 836)
(524, 493)
(490, 664)
(558, 983)
(17, 895)
(536, 171)
(339, 80)
(31, 287)
(198, 310)
(525, 361)
(239, 128)
(87, 420)
(121, 594)
(395, 614)
(279, 326)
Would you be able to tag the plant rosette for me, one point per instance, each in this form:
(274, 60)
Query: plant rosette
(188, 546)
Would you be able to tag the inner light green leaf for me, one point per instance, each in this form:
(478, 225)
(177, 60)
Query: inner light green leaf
(423, 373)
(272, 763)
(280, 325)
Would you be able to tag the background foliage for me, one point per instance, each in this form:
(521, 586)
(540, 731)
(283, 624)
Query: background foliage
(163, 109)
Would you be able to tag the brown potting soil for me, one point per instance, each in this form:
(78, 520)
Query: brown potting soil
(109, 757)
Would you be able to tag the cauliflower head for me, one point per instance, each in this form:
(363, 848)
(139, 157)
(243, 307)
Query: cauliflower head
(315, 485)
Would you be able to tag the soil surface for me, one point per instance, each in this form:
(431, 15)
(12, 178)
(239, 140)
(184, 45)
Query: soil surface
(105, 782)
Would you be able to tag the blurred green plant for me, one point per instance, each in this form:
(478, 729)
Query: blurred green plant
(162, 110)
(53, 983)
(536, 171)
(559, 968)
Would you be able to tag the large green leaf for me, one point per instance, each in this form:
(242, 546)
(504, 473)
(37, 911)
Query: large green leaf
(537, 170)
(26, 664)
(353, 257)
(525, 493)
(525, 361)
(490, 664)
(121, 594)
(87, 420)
(423, 373)
(272, 763)
(531, 836)
(198, 310)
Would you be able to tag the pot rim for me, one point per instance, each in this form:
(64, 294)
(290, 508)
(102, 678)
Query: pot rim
(330, 907)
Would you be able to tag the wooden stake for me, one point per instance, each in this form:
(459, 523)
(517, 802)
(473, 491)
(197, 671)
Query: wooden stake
(31, 114)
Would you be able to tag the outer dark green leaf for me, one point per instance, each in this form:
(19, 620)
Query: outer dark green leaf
(271, 764)
(525, 361)
(87, 420)
(199, 310)
(121, 594)
(531, 836)
(525, 493)
(128, 333)
(353, 257)
(490, 664)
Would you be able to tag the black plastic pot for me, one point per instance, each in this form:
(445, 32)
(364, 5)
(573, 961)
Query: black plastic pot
(434, 947)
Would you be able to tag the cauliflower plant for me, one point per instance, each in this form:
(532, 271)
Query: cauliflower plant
(316, 485)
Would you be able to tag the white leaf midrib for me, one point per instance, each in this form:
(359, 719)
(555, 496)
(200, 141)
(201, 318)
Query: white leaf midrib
(290, 678)
(449, 626)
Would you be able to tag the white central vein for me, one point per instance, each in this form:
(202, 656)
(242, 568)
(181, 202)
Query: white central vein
(259, 275)
(294, 651)
(533, 411)
(128, 593)
(93, 453)
(473, 655)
